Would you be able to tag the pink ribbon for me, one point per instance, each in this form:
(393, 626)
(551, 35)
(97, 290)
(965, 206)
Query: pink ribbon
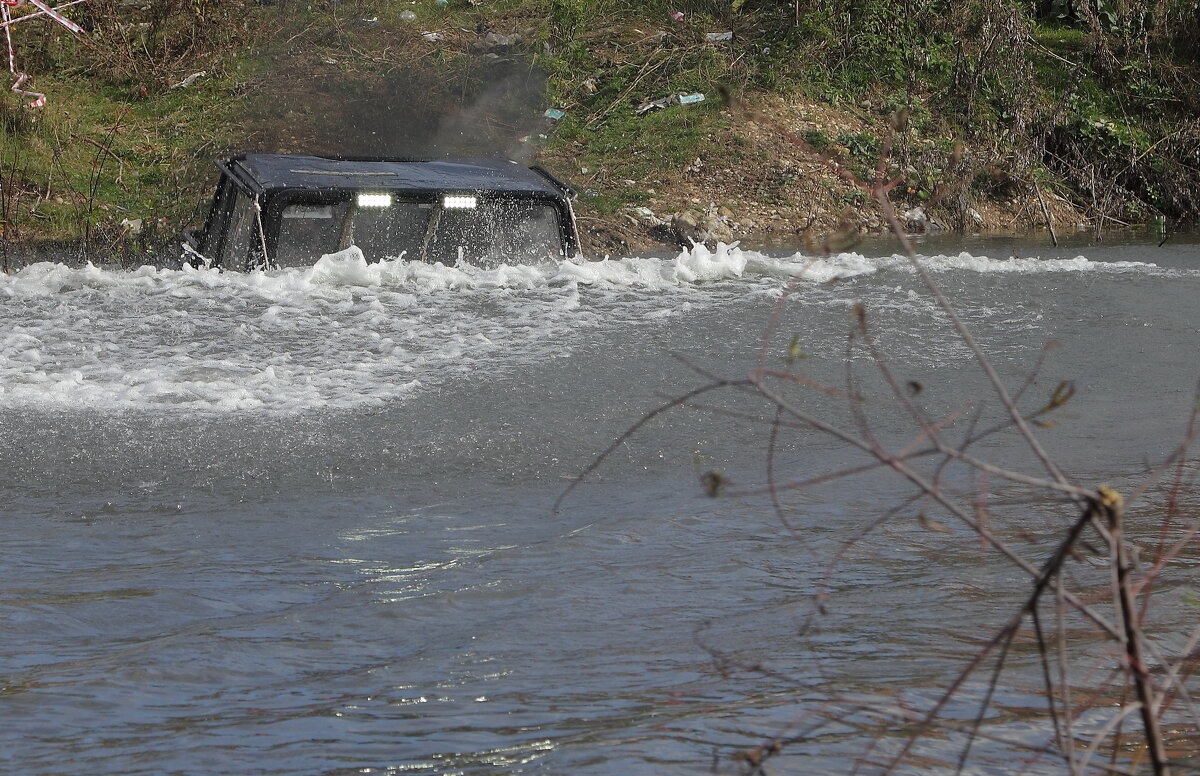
(55, 15)
(8, 21)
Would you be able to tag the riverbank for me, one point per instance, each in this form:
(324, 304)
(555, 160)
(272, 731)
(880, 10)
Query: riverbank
(761, 181)
(704, 121)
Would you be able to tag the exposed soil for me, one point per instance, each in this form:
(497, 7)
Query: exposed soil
(765, 184)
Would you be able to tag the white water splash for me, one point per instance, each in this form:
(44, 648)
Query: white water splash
(347, 333)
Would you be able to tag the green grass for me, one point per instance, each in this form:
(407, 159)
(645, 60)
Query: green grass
(115, 142)
(1065, 41)
(107, 148)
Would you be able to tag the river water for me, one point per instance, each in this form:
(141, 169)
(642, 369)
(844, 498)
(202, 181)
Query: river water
(303, 522)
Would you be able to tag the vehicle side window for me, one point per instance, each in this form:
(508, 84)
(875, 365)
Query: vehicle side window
(235, 253)
(215, 220)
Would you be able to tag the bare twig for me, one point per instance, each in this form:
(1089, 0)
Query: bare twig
(923, 460)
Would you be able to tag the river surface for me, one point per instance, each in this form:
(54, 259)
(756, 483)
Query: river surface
(303, 522)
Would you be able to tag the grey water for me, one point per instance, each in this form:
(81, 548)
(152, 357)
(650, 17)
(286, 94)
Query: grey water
(303, 522)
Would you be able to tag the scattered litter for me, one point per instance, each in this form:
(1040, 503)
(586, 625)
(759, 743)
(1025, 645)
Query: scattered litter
(716, 37)
(432, 37)
(589, 86)
(134, 225)
(191, 79)
(668, 101)
(698, 226)
(493, 41)
(408, 16)
(659, 104)
(644, 215)
(370, 22)
(554, 114)
(442, 3)
(6, 16)
(677, 16)
(918, 219)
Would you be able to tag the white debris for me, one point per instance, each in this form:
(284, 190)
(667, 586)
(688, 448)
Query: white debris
(191, 79)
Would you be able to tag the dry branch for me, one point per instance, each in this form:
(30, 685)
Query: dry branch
(1092, 513)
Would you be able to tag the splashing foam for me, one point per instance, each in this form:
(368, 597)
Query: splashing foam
(346, 333)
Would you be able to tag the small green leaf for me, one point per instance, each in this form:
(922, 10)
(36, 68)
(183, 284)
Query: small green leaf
(793, 351)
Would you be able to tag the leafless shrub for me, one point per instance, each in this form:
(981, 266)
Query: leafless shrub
(13, 173)
(147, 45)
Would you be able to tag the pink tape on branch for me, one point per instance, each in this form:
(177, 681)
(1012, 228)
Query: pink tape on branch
(56, 16)
(8, 21)
(39, 98)
(72, 26)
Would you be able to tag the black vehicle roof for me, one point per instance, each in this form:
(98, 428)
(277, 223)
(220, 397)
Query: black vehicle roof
(274, 171)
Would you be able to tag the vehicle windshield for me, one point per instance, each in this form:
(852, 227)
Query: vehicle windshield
(494, 231)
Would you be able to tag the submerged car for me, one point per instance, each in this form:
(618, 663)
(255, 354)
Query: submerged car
(285, 210)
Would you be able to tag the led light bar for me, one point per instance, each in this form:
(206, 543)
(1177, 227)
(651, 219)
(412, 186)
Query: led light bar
(458, 202)
(374, 200)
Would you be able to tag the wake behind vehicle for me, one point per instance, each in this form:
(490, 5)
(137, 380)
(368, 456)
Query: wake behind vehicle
(287, 210)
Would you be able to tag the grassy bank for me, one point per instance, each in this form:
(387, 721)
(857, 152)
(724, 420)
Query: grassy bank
(1094, 102)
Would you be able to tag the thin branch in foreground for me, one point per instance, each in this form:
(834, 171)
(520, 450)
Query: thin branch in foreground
(632, 430)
